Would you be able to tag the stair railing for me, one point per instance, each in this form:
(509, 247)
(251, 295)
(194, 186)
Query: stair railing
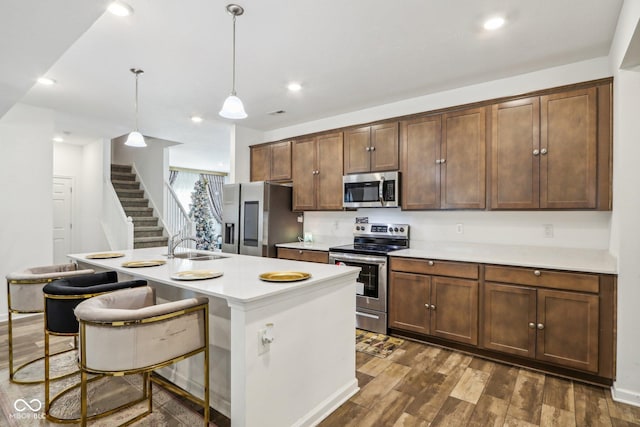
(178, 222)
(117, 226)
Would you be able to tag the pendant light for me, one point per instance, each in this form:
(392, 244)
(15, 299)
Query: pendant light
(232, 107)
(135, 138)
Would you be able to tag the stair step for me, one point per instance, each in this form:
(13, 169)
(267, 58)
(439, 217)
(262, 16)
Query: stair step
(134, 185)
(144, 221)
(129, 193)
(145, 231)
(134, 202)
(123, 176)
(149, 242)
(121, 168)
(138, 211)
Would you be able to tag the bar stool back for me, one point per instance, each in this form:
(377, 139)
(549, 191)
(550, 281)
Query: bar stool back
(125, 332)
(24, 295)
(61, 297)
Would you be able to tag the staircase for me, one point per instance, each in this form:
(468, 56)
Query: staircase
(146, 231)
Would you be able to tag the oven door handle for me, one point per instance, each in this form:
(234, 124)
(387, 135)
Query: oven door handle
(358, 258)
(371, 316)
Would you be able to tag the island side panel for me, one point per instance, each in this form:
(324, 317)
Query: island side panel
(309, 369)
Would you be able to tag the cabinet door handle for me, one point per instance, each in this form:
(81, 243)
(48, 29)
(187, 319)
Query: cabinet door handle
(543, 151)
(427, 305)
(536, 152)
(433, 307)
(368, 148)
(438, 161)
(540, 326)
(430, 263)
(443, 160)
(532, 325)
(372, 148)
(537, 273)
(300, 251)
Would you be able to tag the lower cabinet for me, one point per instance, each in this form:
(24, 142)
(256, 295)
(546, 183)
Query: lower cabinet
(440, 306)
(304, 255)
(550, 325)
(562, 322)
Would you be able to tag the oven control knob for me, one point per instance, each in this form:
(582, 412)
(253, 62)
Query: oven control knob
(402, 229)
(357, 228)
(395, 229)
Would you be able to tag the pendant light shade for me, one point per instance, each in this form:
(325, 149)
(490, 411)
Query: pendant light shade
(233, 107)
(135, 138)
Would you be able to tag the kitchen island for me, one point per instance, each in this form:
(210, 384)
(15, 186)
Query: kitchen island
(309, 368)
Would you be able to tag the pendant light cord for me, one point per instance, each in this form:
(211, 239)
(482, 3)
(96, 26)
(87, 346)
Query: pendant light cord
(137, 102)
(233, 59)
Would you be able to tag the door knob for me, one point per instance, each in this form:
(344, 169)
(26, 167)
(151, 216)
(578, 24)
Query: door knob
(536, 152)
(433, 307)
(543, 151)
(540, 326)
(532, 325)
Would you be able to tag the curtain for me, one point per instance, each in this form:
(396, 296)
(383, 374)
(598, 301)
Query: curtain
(214, 189)
(172, 176)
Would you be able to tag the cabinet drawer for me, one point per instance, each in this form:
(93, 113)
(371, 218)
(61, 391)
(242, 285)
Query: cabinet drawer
(543, 278)
(304, 255)
(435, 267)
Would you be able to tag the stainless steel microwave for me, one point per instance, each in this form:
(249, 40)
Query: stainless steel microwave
(371, 190)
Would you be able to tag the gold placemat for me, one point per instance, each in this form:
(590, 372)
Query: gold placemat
(196, 275)
(144, 263)
(284, 276)
(105, 255)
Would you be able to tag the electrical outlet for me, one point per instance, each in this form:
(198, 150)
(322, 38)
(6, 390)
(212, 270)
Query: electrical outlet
(265, 338)
(548, 230)
(460, 228)
(263, 346)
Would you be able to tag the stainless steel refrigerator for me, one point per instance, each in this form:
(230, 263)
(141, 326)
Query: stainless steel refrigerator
(256, 216)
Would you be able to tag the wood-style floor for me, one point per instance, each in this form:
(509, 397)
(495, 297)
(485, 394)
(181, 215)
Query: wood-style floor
(422, 385)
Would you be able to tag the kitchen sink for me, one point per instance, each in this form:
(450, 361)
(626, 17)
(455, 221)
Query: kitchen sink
(197, 256)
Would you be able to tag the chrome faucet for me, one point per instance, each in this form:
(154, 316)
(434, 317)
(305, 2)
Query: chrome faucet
(172, 245)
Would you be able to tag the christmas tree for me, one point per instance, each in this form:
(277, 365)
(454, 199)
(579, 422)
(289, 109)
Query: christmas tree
(200, 214)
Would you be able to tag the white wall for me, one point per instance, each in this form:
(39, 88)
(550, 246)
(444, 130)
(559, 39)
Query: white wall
(570, 229)
(26, 178)
(625, 241)
(84, 164)
(241, 139)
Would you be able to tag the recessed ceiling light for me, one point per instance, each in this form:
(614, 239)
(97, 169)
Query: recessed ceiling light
(294, 87)
(494, 23)
(46, 81)
(58, 139)
(196, 119)
(119, 8)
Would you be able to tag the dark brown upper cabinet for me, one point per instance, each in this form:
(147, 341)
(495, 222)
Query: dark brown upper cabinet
(371, 148)
(552, 151)
(271, 162)
(443, 161)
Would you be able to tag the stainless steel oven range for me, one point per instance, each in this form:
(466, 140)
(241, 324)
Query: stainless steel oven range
(371, 244)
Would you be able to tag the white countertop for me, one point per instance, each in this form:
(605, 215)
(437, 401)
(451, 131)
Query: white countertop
(239, 282)
(572, 259)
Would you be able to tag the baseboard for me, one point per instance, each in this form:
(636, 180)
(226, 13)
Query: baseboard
(625, 396)
(329, 405)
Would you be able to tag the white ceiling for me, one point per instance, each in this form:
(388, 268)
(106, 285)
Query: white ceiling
(348, 55)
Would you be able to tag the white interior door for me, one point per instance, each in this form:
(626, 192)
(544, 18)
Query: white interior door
(62, 219)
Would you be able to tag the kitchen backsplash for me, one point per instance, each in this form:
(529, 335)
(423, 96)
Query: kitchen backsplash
(542, 228)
